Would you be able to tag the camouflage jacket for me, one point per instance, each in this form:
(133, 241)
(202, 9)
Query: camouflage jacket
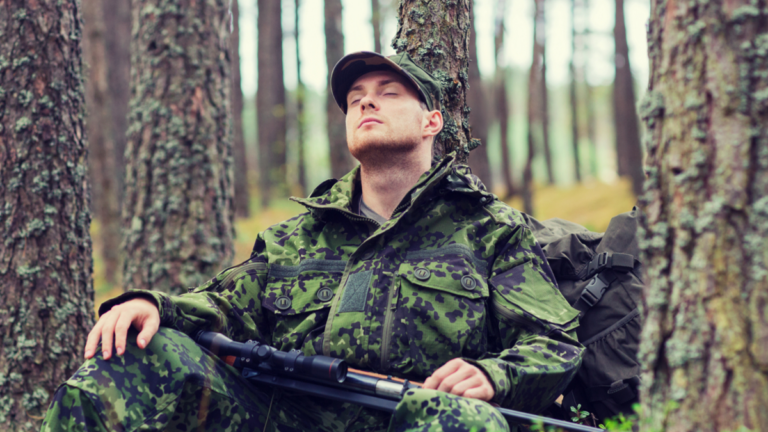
(453, 273)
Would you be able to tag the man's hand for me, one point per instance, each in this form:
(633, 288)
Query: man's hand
(140, 313)
(462, 379)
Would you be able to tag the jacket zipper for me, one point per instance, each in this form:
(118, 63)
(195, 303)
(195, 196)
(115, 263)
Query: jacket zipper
(386, 336)
(233, 274)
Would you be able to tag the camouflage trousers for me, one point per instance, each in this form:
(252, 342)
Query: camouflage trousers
(173, 384)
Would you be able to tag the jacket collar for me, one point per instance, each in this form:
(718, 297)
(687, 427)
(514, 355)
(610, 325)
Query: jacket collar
(338, 194)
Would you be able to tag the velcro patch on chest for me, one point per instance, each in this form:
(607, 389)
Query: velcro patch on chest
(356, 292)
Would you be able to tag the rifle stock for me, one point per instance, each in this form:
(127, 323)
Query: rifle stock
(331, 378)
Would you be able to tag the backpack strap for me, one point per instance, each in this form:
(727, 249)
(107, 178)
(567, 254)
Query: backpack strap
(604, 268)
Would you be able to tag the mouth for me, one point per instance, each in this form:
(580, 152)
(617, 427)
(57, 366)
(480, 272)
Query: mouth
(367, 121)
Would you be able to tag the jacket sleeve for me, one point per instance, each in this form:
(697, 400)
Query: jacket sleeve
(537, 353)
(230, 303)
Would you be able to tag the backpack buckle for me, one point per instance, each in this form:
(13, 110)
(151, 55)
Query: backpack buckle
(594, 291)
(620, 262)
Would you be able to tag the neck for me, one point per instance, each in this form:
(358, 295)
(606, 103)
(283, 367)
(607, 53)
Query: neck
(386, 182)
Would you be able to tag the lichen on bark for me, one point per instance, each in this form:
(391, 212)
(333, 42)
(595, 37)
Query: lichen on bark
(436, 35)
(46, 307)
(178, 210)
(704, 344)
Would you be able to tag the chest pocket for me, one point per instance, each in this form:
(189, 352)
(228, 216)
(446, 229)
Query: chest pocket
(440, 314)
(299, 300)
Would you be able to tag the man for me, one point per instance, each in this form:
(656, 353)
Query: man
(403, 267)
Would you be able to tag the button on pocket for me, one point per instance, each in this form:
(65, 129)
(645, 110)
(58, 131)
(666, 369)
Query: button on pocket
(468, 283)
(283, 303)
(325, 294)
(422, 274)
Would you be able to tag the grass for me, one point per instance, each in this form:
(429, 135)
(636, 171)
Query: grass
(591, 204)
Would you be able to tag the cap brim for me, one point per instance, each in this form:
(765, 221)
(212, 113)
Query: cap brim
(353, 66)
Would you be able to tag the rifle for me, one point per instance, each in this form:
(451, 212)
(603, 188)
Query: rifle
(329, 377)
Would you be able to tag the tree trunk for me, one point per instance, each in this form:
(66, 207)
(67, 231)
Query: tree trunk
(588, 99)
(436, 35)
(543, 94)
(376, 23)
(341, 160)
(502, 105)
(300, 120)
(628, 151)
(533, 75)
(270, 103)
(574, 101)
(117, 19)
(705, 336)
(477, 100)
(178, 209)
(242, 194)
(102, 150)
(46, 309)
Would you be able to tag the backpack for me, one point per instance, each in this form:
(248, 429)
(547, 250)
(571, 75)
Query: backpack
(600, 275)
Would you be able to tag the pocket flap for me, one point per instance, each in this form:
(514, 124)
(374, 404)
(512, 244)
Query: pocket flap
(454, 276)
(307, 292)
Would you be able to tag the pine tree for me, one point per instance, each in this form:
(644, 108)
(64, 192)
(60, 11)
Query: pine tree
(436, 35)
(46, 307)
(704, 344)
(178, 209)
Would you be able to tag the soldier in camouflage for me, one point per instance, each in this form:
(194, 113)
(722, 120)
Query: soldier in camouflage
(404, 266)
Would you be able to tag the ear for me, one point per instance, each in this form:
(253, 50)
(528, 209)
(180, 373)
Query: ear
(432, 123)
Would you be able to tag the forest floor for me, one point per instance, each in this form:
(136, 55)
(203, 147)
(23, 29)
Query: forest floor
(591, 204)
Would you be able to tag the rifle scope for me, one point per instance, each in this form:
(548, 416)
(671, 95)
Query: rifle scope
(255, 355)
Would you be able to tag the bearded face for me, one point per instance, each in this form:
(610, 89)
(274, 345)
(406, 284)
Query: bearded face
(385, 118)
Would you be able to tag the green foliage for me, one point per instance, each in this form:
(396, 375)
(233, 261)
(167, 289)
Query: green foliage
(619, 423)
(578, 415)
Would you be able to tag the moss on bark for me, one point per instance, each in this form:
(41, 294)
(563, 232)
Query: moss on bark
(705, 338)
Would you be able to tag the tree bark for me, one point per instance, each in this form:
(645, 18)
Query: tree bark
(533, 112)
(341, 160)
(242, 193)
(477, 100)
(300, 95)
(178, 212)
(270, 103)
(100, 136)
(573, 99)
(117, 20)
(46, 309)
(628, 151)
(502, 105)
(436, 35)
(704, 344)
(376, 23)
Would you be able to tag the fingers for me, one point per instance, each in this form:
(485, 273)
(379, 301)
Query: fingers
(121, 332)
(484, 393)
(441, 373)
(461, 374)
(93, 339)
(149, 328)
(107, 333)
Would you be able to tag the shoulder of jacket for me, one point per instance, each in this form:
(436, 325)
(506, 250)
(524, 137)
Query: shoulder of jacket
(503, 214)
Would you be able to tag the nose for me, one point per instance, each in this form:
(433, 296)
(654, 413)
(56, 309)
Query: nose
(367, 102)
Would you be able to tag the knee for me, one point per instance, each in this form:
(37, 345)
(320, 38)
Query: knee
(421, 408)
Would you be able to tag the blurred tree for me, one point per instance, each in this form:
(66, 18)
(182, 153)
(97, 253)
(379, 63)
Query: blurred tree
(572, 94)
(117, 20)
(704, 344)
(588, 94)
(542, 93)
(178, 211)
(537, 107)
(376, 22)
(477, 100)
(46, 307)
(270, 103)
(102, 166)
(341, 160)
(438, 39)
(501, 103)
(628, 152)
(300, 119)
(242, 193)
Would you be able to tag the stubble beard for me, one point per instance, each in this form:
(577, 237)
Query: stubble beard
(376, 151)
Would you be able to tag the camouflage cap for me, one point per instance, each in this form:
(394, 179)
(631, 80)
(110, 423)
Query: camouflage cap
(353, 66)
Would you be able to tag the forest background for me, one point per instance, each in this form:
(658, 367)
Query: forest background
(586, 38)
